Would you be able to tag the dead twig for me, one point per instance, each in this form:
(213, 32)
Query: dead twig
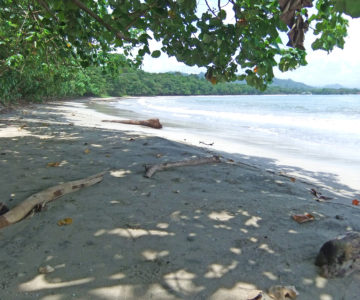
(206, 144)
(41, 198)
(151, 169)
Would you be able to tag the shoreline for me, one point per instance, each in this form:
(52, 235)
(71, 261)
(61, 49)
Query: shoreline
(221, 231)
(344, 173)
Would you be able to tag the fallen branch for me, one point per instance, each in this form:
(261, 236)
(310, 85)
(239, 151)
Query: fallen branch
(151, 169)
(153, 123)
(206, 144)
(40, 199)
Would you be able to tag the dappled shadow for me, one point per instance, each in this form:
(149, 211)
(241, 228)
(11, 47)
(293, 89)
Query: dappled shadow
(219, 231)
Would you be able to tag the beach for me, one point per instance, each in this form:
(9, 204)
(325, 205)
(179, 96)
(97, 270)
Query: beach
(215, 231)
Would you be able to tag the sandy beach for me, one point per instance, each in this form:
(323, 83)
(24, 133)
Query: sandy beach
(215, 231)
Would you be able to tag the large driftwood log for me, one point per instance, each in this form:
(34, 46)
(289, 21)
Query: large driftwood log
(153, 123)
(151, 169)
(40, 199)
(341, 256)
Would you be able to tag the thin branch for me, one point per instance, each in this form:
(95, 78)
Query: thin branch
(136, 15)
(83, 7)
(212, 11)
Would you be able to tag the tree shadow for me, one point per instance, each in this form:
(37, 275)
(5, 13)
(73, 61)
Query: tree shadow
(220, 231)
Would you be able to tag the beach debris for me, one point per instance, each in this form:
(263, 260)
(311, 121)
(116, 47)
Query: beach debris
(152, 169)
(340, 257)
(303, 218)
(46, 270)
(318, 195)
(3, 208)
(66, 221)
(355, 202)
(206, 144)
(281, 292)
(53, 164)
(153, 123)
(41, 198)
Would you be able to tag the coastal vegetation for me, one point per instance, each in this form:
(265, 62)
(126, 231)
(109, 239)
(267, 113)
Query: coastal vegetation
(65, 82)
(66, 48)
(140, 83)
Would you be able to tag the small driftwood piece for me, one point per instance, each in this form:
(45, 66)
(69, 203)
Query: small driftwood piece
(41, 198)
(206, 144)
(151, 169)
(341, 256)
(153, 123)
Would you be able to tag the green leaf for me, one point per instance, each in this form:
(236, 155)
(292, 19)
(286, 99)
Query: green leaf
(156, 54)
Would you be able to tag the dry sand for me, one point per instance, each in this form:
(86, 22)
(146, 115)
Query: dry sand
(221, 231)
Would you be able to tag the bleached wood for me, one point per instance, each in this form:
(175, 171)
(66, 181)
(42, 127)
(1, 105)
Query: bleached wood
(153, 123)
(41, 198)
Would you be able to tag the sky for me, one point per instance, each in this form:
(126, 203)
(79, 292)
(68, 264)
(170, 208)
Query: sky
(341, 66)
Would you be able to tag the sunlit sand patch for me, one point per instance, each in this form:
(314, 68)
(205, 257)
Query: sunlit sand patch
(235, 250)
(152, 254)
(270, 275)
(218, 271)
(222, 226)
(266, 248)
(220, 216)
(326, 297)
(162, 225)
(182, 281)
(41, 283)
(119, 173)
(117, 276)
(127, 291)
(320, 282)
(16, 131)
(54, 297)
(241, 290)
(253, 221)
(136, 233)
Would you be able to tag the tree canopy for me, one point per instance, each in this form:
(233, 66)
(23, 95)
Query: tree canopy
(233, 39)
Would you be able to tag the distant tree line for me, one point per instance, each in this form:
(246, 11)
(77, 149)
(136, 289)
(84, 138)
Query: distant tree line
(112, 80)
(140, 83)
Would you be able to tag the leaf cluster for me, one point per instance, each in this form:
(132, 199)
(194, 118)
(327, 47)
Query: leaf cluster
(232, 39)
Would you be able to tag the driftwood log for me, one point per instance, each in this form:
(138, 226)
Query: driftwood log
(41, 198)
(341, 256)
(151, 169)
(153, 123)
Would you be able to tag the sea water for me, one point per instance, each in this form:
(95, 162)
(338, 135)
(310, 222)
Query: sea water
(319, 132)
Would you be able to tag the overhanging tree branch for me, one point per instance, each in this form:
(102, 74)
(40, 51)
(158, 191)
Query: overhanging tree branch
(118, 34)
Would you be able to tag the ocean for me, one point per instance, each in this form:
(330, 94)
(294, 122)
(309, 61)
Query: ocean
(320, 133)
